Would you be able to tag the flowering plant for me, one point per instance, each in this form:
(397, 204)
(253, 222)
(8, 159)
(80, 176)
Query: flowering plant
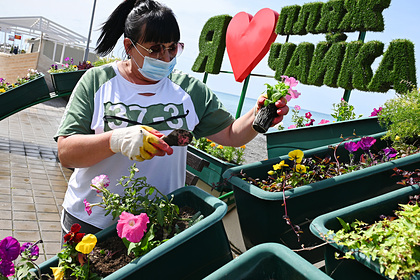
(32, 74)
(401, 117)
(143, 211)
(69, 66)
(226, 153)
(343, 111)
(269, 102)
(73, 260)
(299, 171)
(10, 250)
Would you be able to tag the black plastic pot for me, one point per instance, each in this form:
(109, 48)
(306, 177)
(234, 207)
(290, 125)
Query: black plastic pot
(264, 118)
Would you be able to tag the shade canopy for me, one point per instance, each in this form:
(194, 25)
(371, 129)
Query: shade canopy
(37, 26)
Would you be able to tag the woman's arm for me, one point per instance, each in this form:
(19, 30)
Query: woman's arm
(81, 150)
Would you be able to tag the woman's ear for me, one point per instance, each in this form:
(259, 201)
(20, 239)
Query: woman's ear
(127, 45)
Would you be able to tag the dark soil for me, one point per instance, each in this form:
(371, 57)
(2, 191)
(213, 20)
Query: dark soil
(110, 255)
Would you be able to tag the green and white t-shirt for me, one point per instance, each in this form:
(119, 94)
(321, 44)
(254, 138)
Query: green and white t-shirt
(179, 101)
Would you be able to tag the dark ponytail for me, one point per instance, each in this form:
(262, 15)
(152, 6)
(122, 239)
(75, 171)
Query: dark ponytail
(139, 20)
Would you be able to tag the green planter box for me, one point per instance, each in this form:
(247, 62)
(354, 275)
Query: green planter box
(261, 213)
(65, 82)
(23, 96)
(268, 261)
(192, 254)
(212, 174)
(367, 211)
(280, 143)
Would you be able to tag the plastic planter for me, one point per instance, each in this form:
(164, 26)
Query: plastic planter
(279, 143)
(212, 174)
(268, 261)
(23, 96)
(192, 254)
(261, 213)
(367, 211)
(65, 82)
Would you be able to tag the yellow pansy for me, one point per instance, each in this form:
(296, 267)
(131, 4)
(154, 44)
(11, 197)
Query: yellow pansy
(296, 155)
(300, 168)
(220, 147)
(397, 138)
(88, 62)
(2, 90)
(58, 273)
(212, 144)
(279, 165)
(271, 172)
(87, 244)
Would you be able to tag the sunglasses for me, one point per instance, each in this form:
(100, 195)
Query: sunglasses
(107, 118)
(157, 51)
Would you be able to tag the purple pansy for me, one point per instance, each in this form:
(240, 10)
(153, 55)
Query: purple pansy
(9, 249)
(351, 146)
(366, 142)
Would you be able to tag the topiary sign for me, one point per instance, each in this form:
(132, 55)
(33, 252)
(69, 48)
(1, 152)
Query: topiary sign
(334, 62)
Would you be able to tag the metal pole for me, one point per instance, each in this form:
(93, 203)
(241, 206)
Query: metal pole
(90, 31)
(347, 92)
(242, 98)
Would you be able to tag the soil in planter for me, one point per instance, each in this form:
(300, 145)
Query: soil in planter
(116, 256)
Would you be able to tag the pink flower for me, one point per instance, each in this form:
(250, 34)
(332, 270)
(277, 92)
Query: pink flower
(292, 126)
(291, 82)
(376, 112)
(310, 123)
(293, 93)
(308, 115)
(351, 146)
(132, 227)
(366, 142)
(323, 121)
(88, 207)
(297, 107)
(99, 182)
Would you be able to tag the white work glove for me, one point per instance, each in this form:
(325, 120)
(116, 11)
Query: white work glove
(139, 142)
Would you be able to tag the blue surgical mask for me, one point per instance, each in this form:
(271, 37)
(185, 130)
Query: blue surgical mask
(155, 69)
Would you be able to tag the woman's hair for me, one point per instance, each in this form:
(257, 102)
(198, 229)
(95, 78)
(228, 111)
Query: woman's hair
(140, 21)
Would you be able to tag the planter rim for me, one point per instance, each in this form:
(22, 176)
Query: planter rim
(318, 228)
(82, 70)
(302, 190)
(219, 212)
(325, 124)
(210, 156)
(268, 249)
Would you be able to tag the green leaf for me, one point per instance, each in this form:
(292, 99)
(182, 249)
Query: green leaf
(345, 225)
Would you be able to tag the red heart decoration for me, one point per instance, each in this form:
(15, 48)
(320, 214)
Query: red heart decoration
(248, 40)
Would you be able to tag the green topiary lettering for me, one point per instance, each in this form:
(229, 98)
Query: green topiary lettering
(287, 19)
(308, 18)
(212, 45)
(300, 62)
(332, 13)
(279, 57)
(396, 69)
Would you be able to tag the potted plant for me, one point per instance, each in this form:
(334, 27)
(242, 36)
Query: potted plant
(268, 261)
(220, 159)
(304, 135)
(377, 253)
(64, 79)
(25, 92)
(191, 254)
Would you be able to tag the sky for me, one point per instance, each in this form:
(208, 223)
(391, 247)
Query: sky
(400, 23)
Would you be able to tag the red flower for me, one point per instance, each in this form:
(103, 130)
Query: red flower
(74, 237)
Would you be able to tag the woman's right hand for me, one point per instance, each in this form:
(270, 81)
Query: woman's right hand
(139, 143)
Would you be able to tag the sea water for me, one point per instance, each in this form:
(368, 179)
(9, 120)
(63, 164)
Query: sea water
(230, 101)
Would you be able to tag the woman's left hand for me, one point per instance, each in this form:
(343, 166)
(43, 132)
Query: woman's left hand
(282, 108)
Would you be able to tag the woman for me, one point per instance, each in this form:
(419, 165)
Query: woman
(96, 137)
